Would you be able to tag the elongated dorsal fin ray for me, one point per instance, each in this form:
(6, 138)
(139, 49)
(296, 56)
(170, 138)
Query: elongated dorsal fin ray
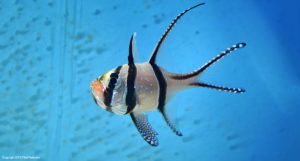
(208, 64)
(132, 49)
(141, 123)
(159, 43)
(170, 122)
(220, 88)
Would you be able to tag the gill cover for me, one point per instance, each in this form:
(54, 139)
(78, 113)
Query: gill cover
(113, 93)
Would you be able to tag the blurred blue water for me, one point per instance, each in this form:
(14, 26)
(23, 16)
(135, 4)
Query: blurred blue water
(51, 50)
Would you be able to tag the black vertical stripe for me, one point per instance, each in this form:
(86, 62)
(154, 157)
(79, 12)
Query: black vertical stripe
(162, 87)
(108, 93)
(130, 95)
(107, 96)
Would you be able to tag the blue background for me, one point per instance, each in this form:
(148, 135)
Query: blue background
(51, 50)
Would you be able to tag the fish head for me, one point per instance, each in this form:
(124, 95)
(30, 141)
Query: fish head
(108, 91)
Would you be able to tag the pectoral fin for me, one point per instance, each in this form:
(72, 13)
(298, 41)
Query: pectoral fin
(144, 128)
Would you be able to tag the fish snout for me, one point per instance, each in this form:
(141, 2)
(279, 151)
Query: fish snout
(97, 90)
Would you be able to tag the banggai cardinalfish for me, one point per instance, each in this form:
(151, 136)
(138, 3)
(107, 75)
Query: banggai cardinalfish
(136, 88)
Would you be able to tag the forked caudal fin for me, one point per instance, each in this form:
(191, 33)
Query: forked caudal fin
(196, 73)
(220, 88)
(208, 64)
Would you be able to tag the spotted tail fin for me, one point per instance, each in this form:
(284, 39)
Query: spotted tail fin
(220, 88)
(208, 64)
(191, 78)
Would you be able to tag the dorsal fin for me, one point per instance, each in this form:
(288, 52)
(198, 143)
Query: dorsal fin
(132, 71)
(159, 43)
(132, 49)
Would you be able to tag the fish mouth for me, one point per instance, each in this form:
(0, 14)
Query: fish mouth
(97, 90)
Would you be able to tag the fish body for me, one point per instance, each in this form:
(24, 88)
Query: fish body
(146, 86)
(137, 88)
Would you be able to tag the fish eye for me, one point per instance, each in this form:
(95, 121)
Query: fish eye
(114, 75)
(113, 82)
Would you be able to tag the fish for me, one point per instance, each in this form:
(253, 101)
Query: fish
(138, 88)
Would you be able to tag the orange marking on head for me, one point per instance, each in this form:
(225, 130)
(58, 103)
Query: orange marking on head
(96, 87)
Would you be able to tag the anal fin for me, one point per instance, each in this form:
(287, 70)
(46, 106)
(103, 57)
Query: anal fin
(141, 123)
(170, 121)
